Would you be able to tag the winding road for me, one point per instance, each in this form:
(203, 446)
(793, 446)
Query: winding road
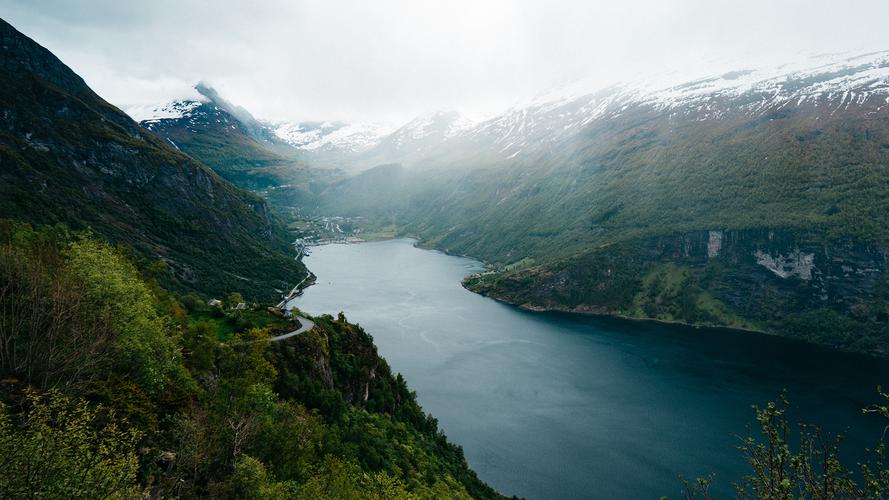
(305, 325)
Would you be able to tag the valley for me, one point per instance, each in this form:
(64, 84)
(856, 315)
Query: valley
(682, 203)
(630, 285)
(555, 405)
(143, 356)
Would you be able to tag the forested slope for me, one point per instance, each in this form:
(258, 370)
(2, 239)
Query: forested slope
(68, 156)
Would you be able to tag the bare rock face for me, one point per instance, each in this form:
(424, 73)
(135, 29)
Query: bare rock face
(795, 263)
(714, 244)
(768, 277)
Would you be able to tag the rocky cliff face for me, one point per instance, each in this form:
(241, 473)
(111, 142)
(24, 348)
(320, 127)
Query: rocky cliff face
(768, 266)
(833, 291)
(67, 156)
(344, 360)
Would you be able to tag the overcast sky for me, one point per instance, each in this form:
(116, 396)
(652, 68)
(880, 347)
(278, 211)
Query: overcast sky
(388, 60)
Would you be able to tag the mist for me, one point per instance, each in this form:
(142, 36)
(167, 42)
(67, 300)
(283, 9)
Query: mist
(390, 60)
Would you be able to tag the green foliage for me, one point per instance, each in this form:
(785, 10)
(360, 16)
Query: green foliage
(91, 166)
(51, 333)
(225, 324)
(144, 348)
(250, 480)
(821, 325)
(234, 299)
(344, 480)
(60, 447)
(677, 293)
(783, 468)
(373, 419)
(209, 415)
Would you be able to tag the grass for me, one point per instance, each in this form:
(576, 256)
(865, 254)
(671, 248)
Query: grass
(671, 292)
(228, 326)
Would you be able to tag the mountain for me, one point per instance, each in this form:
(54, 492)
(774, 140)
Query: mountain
(331, 144)
(331, 137)
(67, 156)
(129, 387)
(755, 198)
(416, 139)
(360, 146)
(227, 138)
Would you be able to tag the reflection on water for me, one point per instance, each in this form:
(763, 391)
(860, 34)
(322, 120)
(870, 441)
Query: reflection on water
(566, 406)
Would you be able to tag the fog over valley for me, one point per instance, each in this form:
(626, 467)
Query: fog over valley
(419, 249)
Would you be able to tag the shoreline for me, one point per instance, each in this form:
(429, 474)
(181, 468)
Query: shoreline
(417, 243)
(632, 319)
(681, 324)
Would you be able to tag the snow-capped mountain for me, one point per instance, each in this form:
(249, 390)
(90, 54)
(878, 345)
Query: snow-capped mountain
(841, 79)
(331, 136)
(432, 126)
(169, 111)
(823, 84)
(203, 108)
(369, 144)
(820, 84)
(225, 137)
(417, 138)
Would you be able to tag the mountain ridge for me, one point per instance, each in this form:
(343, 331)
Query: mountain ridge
(585, 203)
(67, 156)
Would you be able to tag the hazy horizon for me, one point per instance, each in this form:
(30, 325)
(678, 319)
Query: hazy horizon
(389, 61)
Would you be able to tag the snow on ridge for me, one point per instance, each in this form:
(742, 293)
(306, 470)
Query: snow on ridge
(352, 137)
(841, 80)
(805, 79)
(296, 134)
(443, 123)
(172, 110)
(866, 74)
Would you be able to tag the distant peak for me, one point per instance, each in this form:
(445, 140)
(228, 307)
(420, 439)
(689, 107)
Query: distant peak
(205, 89)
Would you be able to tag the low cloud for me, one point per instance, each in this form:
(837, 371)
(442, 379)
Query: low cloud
(388, 60)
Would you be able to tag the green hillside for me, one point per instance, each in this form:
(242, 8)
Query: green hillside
(581, 225)
(126, 391)
(67, 156)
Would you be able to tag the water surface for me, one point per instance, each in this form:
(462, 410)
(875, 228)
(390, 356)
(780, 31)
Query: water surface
(551, 405)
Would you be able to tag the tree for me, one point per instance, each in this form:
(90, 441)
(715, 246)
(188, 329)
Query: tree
(144, 348)
(234, 299)
(250, 480)
(814, 470)
(63, 448)
(50, 332)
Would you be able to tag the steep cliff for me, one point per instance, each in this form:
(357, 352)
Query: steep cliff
(67, 156)
(832, 291)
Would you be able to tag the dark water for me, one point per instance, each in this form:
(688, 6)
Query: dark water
(565, 406)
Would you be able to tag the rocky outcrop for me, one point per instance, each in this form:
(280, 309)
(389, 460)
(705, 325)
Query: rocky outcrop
(782, 281)
(795, 263)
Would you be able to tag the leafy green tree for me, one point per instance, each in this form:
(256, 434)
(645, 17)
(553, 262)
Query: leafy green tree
(61, 447)
(290, 441)
(144, 347)
(50, 333)
(200, 344)
(234, 299)
(251, 481)
(193, 302)
(812, 470)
